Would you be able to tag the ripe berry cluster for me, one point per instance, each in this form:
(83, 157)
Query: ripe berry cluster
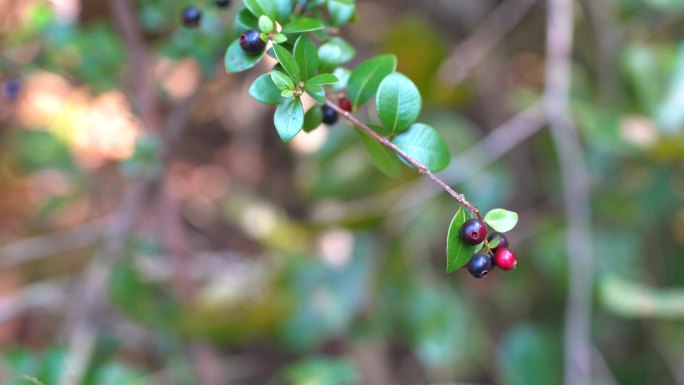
(474, 232)
(192, 15)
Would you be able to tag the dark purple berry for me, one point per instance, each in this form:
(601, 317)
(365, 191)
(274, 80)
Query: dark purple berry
(12, 88)
(222, 3)
(191, 16)
(505, 259)
(251, 42)
(503, 241)
(480, 265)
(345, 104)
(473, 231)
(329, 115)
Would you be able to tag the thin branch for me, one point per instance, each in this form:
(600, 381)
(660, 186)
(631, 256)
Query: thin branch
(472, 51)
(42, 246)
(576, 191)
(460, 198)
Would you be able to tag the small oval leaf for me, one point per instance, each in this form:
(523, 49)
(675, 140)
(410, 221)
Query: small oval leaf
(382, 157)
(282, 81)
(458, 252)
(398, 102)
(501, 220)
(237, 60)
(264, 90)
(322, 79)
(365, 79)
(306, 56)
(303, 24)
(289, 118)
(288, 62)
(425, 145)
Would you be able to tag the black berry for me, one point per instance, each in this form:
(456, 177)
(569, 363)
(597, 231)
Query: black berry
(222, 3)
(12, 88)
(503, 241)
(480, 265)
(473, 231)
(345, 104)
(329, 115)
(191, 16)
(251, 42)
(505, 259)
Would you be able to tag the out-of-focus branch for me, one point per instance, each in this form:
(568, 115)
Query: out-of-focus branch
(576, 191)
(42, 246)
(472, 51)
(37, 295)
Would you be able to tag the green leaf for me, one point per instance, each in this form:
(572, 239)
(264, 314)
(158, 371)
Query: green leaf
(458, 252)
(382, 157)
(261, 7)
(289, 118)
(266, 24)
(284, 9)
(280, 38)
(245, 21)
(398, 102)
(316, 92)
(343, 75)
(263, 36)
(288, 62)
(322, 79)
(287, 93)
(341, 11)
(365, 79)
(329, 56)
(237, 60)
(306, 55)
(501, 220)
(282, 81)
(264, 90)
(313, 118)
(347, 50)
(303, 24)
(425, 145)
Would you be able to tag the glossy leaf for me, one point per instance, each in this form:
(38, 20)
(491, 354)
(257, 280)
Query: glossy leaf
(245, 21)
(313, 118)
(341, 11)
(365, 79)
(316, 92)
(288, 62)
(282, 81)
(306, 55)
(398, 102)
(237, 60)
(280, 38)
(425, 145)
(343, 75)
(382, 157)
(289, 118)
(322, 79)
(303, 24)
(266, 24)
(458, 252)
(329, 56)
(264, 90)
(261, 7)
(501, 220)
(284, 9)
(347, 50)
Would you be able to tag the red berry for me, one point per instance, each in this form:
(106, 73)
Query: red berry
(505, 259)
(473, 231)
(345, 104)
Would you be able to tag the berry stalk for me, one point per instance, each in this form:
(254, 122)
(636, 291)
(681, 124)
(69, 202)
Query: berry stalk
(460, 198)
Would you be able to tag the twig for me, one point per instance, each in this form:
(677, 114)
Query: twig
(471, 52)
(42, 246)
(460, 198)
(498, 142)
(37, 295)
(575, 190)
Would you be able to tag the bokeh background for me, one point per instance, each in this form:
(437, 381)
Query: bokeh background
(227, 257)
